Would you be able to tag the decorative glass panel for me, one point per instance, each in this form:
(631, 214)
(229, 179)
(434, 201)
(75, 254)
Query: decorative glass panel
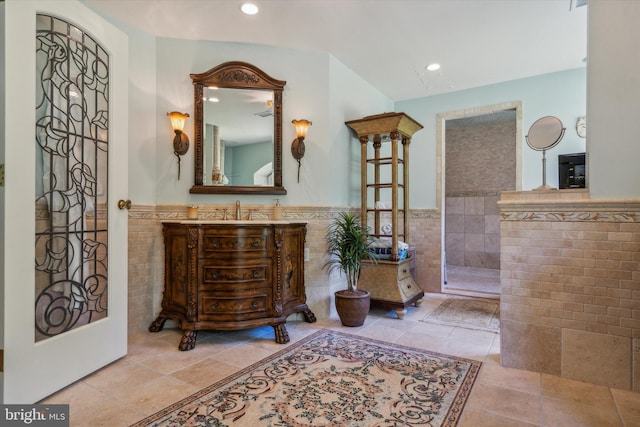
(72, 106)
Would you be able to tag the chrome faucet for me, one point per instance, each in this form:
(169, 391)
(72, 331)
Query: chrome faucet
(238, 214)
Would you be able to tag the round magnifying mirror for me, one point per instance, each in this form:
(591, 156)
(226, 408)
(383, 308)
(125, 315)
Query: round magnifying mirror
(545, 133)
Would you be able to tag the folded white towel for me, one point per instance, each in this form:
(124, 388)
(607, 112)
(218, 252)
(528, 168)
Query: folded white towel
(386, 243)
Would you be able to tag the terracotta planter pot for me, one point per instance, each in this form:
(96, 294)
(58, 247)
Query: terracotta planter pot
(352, 306)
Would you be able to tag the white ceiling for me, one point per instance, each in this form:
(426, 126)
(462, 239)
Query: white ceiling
(388, 42)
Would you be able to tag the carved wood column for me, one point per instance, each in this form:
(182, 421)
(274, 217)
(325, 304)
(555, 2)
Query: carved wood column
(377, 143)
(364, 140)
(394, 194)
(405, 181)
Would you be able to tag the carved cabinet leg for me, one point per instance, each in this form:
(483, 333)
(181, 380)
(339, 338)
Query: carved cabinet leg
(158, 324)
(309, 317)
(282, 336)
(188, 340)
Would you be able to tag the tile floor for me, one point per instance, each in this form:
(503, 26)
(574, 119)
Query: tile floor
(155, 374)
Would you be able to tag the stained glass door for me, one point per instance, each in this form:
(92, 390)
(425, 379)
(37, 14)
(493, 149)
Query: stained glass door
(65, 305)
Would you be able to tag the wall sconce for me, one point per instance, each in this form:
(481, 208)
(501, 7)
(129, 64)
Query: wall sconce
(297, 146)
(180, 141)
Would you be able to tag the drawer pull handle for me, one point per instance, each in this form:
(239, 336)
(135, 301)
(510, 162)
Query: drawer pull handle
(214, 306)
(404, 270)
(256, 243)
(254, 304)
(256, 274)
(216, 275)
(408, 286)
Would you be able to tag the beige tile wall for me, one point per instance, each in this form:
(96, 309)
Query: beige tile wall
(481, 160)
(570, 301)
(472, 230)
(146, 250)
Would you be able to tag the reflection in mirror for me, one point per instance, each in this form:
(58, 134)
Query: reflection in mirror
(238, 137)
(238, 131)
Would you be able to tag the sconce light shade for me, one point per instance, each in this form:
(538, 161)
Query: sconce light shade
(180, 141)
(297, 146)
(177, 120)
(302, 126)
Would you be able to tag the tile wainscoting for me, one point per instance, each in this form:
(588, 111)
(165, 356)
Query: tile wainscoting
(570, 278)
(146, 252)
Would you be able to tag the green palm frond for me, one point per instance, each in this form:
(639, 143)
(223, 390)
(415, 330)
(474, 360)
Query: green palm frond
(347, 245)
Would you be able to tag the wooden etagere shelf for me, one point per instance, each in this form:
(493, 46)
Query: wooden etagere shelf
(390, 282)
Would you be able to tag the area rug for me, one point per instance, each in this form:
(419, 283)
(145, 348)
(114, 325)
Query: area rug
(333, 379)
(470, 313)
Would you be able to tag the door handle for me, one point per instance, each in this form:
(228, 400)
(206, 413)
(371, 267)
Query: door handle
(124, 204)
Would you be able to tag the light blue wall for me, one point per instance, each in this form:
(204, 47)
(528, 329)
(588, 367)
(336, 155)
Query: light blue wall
(322, 89)
(313, 78)
(350, 98)
(561, 94)
(246, 160)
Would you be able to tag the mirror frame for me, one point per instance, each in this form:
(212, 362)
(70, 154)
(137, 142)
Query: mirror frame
(237, 75)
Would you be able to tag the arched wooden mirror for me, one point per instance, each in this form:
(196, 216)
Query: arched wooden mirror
(238, 131)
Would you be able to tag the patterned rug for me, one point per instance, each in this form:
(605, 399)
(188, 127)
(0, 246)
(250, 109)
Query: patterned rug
(471, 313)
(333, 379)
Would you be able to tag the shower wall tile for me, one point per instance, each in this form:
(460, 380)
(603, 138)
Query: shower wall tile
(492, 224)
(474, 205)
(492, 260)
(482, 260)
(481, 231)
(480, 157)
(455, 242)
(480, 163)
(492, 243)
(454, 223)
(474, 224)
(491, 205)
(454, 205)
(455, 258)
(473, 242)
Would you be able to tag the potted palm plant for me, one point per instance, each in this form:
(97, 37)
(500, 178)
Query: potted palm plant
(347, 245)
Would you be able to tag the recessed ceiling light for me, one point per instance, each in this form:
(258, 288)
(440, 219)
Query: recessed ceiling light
(433, 67)
(249, 8)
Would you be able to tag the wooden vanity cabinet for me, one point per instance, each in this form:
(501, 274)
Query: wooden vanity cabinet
(229, 276)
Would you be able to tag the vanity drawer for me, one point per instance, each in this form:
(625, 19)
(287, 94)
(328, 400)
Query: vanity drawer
(253, 304)
(404, 271)
(229, 275)
(407, 288)
(236, 243)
